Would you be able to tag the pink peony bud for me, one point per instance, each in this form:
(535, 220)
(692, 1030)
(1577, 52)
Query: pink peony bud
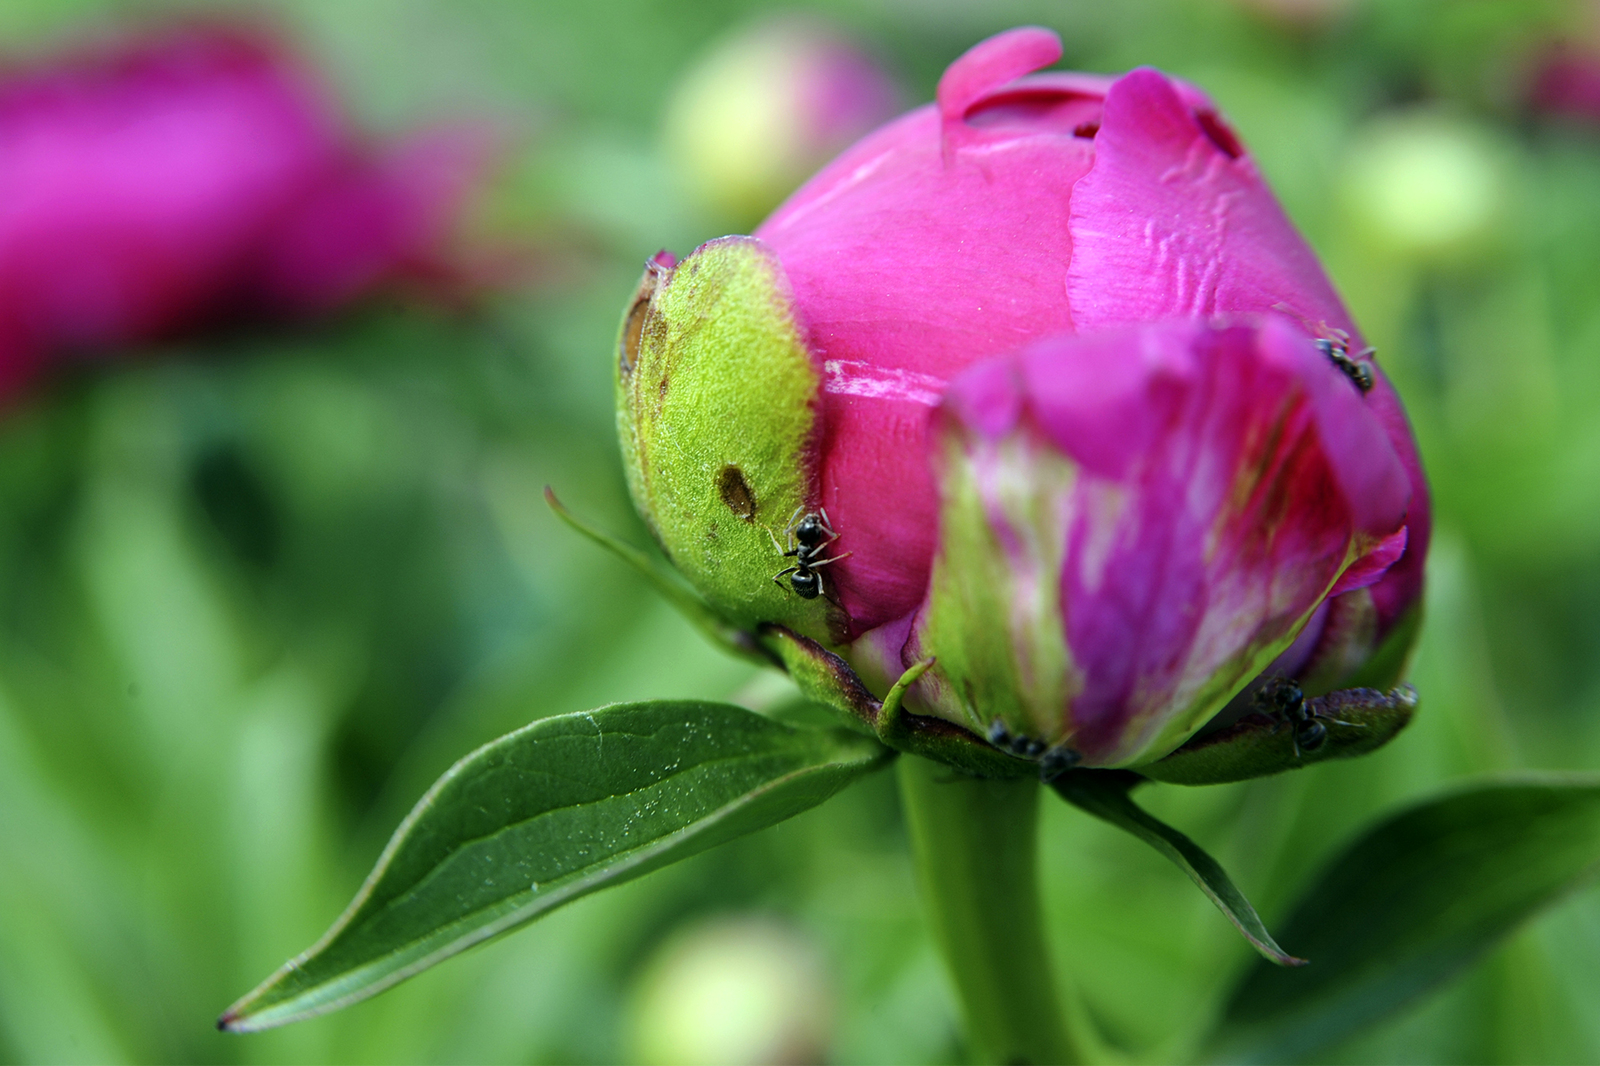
(1013, 210)
(160, 183)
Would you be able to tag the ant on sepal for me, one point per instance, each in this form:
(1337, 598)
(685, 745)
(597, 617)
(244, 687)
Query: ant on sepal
(1053, 762)
(809, 535)
(1284, 701)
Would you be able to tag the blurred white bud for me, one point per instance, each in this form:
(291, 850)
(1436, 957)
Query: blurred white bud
(1426, 186)
(736, 991)
(766, 107)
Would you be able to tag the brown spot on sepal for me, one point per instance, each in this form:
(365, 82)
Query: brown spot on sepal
(657, 270)
(632, 330)
(735, 492)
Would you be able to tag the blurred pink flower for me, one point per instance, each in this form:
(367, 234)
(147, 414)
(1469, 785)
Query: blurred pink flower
(1566, 82)
(167, 182)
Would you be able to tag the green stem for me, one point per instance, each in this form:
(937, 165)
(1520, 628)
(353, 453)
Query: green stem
(976, 846)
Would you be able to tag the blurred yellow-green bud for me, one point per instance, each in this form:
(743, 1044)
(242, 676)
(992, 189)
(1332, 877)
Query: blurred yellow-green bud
(735, 990)
(766, 107)
(1426, 186)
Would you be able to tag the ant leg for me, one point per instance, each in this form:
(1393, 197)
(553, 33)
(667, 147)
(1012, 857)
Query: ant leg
(827, 526)
(774, 538)
(777, 579)
(824, 562)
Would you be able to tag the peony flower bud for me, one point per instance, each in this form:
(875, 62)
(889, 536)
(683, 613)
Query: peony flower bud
(1027, 231)
(161, 183)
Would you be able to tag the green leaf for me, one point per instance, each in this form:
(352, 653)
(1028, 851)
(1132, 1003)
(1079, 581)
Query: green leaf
(547, 814)
(1104, 794)
(1411, 903)
(1357, 721)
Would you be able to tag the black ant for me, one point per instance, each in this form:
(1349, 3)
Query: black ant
(1285, 701)
(1053, 762)
(1356, 367)
(809, 536)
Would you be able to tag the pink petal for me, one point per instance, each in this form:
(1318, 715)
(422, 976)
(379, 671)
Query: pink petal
(1174, 221)
(1371, 566)
(992, 63)
(1211, 510)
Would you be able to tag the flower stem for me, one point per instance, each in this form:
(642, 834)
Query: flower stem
(976, 845)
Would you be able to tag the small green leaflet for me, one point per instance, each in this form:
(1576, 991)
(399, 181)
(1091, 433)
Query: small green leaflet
(1104, 794)
(1411, 903)
(669, 583)
(547, 814)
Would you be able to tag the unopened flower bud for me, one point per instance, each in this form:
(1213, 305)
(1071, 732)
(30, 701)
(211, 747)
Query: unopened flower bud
(1177, 462)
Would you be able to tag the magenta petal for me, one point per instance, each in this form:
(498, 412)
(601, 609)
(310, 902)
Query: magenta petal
(992, 63)
(1372, 566)
(1401, 586)
(1172, 222)
(906, 269)
(1107, 399)
(1355, 439)
(1211, 513)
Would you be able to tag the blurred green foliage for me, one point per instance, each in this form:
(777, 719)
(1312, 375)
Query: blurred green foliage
(256, 592)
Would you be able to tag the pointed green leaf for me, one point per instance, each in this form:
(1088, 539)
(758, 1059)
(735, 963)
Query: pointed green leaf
(550, 813)
(1104, 794)
(1411, 902)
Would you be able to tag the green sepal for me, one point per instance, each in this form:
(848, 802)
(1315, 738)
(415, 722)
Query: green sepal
(1104, 794)
(716, 397)
(672, 587)
(1358, 721)
(993, 615)
(829, 680)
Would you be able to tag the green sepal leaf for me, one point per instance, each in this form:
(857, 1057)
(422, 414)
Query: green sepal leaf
(1358, 721)
(1410, 903)
(1104, 794)
(669, 584)
(829, 680)
(717, 392)
(547, 814)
